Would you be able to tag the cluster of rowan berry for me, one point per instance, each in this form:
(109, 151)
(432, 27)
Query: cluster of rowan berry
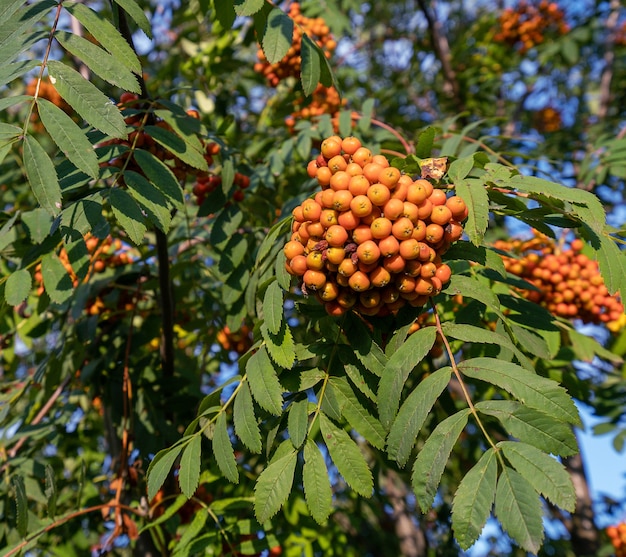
(548, 119)
(291, 64)
(566, 281)
(324, 100)
(371, 240)
(207, 183)
(239, 341)
(617, 535)
(527, 24)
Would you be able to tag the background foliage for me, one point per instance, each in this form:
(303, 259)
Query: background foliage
(167, 387)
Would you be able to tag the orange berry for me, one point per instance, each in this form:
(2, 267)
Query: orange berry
(350, 144)
(381, 227)
(389, 246)
(348, 220)
(438, 197)
(358, 185)
(393, 208)
(336, 235)
(362, 156)
(359, 281)
(389, 177)
(314, 280)
(368, 252)
(402, 228)
(372, 171)
(341, 200)
(331, 147)
(361, 205)
(440, 214)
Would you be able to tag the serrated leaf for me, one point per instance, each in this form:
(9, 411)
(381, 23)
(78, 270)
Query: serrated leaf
(189, 471)
(280, 346)
(548, 476)
(425, 141)
(137, 15)
(612, 264)
(160, 467)
(21, 505)
(365, 349)
(264, 384)
(531, 389)
(397, 370)
(472, 288)
(128, 214)
(317, 489)
(347, 457)
(99, 61)
(161, 176)
(150, 199)
(86, 99)
(185, 542)
(311, 71)
(68, 137)
(56, 280)
(16, 69)
(586, 205)
(413, 414)
(460, 168)
(357, 415)
(431, 460)
(278, 35)
(107, 35)
(17, 287)
(273, 486)
(50, 491)
(532, 426)
(9, 131)
(271, 238)
(298, 422)
(223, 450)
(473, 500)
(519, 511)
(474, 193)
(177, 146)
(246, 8)
(273, 307)
(42, 176)
(244, 419)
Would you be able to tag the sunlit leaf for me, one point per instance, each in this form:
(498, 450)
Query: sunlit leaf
(189, 470)
(223, 449)
(264, 384)
(274, 485)
(317, 490)
(42, 176)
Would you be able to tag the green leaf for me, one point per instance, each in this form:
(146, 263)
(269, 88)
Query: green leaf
(50, 491)
(473, 500)
(278, 35)
(189, 471)
(137, 15)
(246, 8)
(273, 486)
(280, 346)
(472, 288)
(271, 238)
(128, 214)
(107, 35)
(397, 370)
(471, 333)
(413, 414)
(586, 206)
(84, 97)
(531, 389)
(298, 422)
(612, 264)
(264, 384)
(17, 287)
(317, 490)
(160, 467)
(178, 147)
(190, 535)
(223, 450)
(225, 13)
(357, 415)
(548, 476)
(68, 137)
(99, 61)
(56, 281)
(273, 307)
(21, 505)
(347, 457)
(460, 168)
(431, 460)
(532, 426)
(474, 193)
(42, 176)
(161, 176)
(244, 419)
(519, 511)
(311, 70)
(365, 349)
(16, 69)
(425, 140)
(9, 131)
(150, 199)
